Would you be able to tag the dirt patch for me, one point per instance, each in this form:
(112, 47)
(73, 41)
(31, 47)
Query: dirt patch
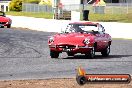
(56, 83)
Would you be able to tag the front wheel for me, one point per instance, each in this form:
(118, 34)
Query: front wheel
(2, 27)
(9, 26)
(106, 51)
(70, 54)
(54, 54)
(91, 54)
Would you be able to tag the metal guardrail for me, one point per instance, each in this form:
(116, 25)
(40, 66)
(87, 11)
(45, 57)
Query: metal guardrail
(36, 8)
(110, 8)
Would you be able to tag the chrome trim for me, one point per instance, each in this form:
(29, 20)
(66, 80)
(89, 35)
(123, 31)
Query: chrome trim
(52, 46)
(66, 47)
(85, 47)
(76, 47)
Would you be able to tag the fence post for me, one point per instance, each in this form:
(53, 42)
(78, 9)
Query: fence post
(33, 8)
(30, 8)
(127, 8)
(112, 10)
(121, 8)
(38, 8)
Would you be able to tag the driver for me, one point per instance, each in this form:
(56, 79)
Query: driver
(77, 28)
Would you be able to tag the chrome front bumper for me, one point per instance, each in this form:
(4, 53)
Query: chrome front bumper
(69, 46)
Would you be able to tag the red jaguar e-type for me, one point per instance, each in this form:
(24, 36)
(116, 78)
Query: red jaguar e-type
(81, 37)
(4, 21)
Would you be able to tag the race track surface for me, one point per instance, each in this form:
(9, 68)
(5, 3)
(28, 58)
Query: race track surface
(24, 54)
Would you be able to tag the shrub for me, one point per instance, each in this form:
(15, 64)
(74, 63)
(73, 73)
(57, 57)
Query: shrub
(15, 5)
(31, 1)
(46, 2)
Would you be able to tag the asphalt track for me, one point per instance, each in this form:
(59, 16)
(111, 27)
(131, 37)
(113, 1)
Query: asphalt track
(24, 54)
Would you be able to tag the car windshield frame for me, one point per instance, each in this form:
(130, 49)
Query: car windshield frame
(2, 14)
(73, 28)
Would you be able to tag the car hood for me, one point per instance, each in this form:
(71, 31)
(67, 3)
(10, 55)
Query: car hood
(72, 38)
(4, 19)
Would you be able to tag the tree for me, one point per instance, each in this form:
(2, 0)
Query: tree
(15, 5)
(31, 1)
(46, 2)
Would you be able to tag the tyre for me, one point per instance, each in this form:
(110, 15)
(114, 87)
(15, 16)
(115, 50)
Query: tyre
(70, 54)
(81, 80)
(9, 26)
(106, 51)
(54, 54)
(2, 27)
(91, 54)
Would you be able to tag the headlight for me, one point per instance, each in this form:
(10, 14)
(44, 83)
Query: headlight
(86, 41)
(51, 39)
(7, 22)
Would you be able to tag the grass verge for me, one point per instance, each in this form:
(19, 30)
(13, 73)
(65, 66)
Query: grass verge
(45, 15)
(111, 17)
(92, 17)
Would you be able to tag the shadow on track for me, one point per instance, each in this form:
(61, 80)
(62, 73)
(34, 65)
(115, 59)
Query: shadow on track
(97, 57)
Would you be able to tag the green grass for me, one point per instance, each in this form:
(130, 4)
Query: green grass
(111, 17)
(92, 17)
(32, 14)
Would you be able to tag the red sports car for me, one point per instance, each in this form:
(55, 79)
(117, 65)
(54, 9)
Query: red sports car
(81, 37)
(4, 21)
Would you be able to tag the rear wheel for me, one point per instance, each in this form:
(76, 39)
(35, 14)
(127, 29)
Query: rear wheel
(106, 51)
(54, 54)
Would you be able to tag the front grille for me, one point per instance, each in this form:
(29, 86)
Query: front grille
(2, 22)
(66, 46)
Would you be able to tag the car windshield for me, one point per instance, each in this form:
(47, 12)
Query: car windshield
(87, 28)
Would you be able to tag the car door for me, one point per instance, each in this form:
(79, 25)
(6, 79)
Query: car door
(101, 37)
(98, 40)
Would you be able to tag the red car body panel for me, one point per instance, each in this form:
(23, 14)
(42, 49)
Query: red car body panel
(73, 39)
(74, 42)
(5, 21)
